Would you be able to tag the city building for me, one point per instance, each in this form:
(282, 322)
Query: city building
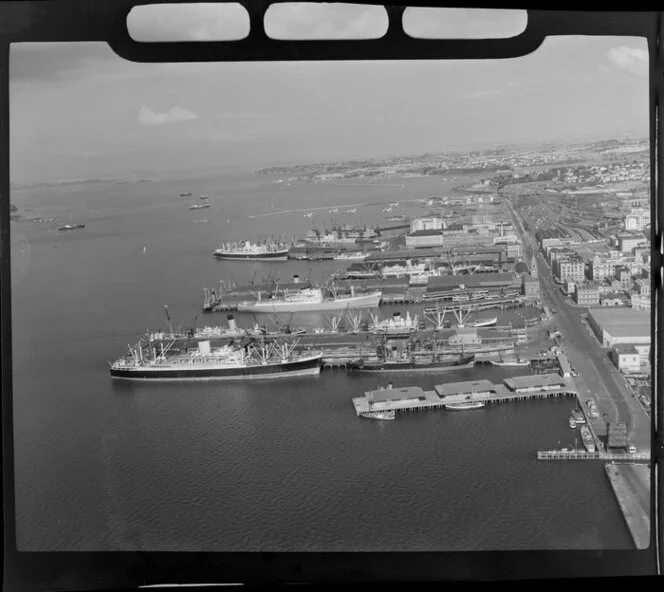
(431, 223)
(587, 294)
(624, 276)
(637, 220)
(613, 299)
(531, 287)
(626, 357)
(573, 269)
(533, 267)
(628, 241)
(601, 268)
(621, 326)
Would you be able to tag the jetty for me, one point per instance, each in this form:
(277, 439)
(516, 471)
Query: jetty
(631, 486)
(414, 398)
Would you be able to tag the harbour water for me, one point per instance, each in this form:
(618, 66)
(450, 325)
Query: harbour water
(275, 465)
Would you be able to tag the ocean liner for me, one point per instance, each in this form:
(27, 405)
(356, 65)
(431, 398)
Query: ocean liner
(311, 300)
(261, 359)
(247, 250)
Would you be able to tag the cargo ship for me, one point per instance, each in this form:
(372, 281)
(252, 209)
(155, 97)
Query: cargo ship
(258, 360)
(465, 405)
(246, 250)
(588, 440)
(311, 300)
(412, 365)
(71, 226)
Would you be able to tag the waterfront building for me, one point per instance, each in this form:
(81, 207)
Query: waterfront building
(637, 220)
(621, 325)
(601, 269)
(613, 299)
(624, 276)
(640, 302)
(430, 223)
(628, 241)
(537, 382)
(626, 357)
(574, 269)
(587, 294)
(531, 287)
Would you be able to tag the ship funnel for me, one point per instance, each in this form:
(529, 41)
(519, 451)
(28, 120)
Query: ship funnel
(232, 325)
(296, 279)
(204, 348)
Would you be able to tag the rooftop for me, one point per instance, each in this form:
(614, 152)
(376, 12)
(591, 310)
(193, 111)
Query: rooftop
(481, 279)
(537, 380)
(622, 322)
(460, 388)
(625, 348)
(395, 394)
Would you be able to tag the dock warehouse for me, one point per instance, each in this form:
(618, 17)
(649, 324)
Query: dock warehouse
(537, 382)
(621, 325)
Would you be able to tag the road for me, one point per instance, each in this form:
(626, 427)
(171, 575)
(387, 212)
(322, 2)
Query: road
(598, 378)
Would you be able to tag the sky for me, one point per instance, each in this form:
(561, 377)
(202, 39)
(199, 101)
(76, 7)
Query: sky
(79, 111)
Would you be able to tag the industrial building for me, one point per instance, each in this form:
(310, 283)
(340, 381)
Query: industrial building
(621, 325)
(626, 358)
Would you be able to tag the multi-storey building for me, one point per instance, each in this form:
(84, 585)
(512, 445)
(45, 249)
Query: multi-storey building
(431, 223)
(601, 269)
(624, 275)
(531, 287)
(637, 220)
(573, 269)
(628, 241)
(587, 294)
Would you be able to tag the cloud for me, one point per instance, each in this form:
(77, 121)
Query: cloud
(479, 94)
(630, 59)
(147, 117)
(196, 22)
(459, 23)
(325, 21)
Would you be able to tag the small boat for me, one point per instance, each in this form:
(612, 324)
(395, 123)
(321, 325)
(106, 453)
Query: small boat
(588, 440)
(465, 405)
(205, 196)
(187, 194)
(578, 416)
(203, 221)
(385, 415)
(515, 362)
(199, 206)
(71, 226)
(572, 422)
(486, 322)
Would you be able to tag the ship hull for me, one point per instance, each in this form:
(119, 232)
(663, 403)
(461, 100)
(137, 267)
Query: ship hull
(365, 301)
(275, 256)
(304, 367)
(411, 366)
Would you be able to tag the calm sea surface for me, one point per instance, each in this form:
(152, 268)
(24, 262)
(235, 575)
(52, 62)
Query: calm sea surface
(275, 465)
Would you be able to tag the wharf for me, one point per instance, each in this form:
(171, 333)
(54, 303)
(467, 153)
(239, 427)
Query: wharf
(514, 389)
(640, 457)
(631, 486)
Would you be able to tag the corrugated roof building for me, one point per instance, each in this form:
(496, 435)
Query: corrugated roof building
(620, 325)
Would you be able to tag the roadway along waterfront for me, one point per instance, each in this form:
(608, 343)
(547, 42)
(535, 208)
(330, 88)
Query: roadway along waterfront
(598, 378)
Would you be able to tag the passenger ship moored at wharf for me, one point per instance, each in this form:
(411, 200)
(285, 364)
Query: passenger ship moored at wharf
(260, 360)
(247, 250)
